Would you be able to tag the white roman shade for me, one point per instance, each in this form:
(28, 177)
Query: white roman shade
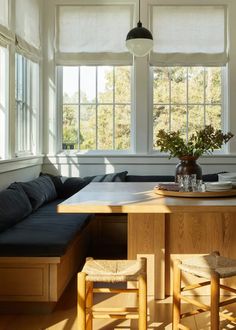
(6, 36)
(93, 34)
(28, 27)
(189, 35)
(4, 12)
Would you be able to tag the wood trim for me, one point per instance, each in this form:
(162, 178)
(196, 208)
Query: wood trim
(30, 260)
(21, 282)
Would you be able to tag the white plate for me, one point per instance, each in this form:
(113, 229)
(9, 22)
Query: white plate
(217, 189)
(218, 186)
(221, 184)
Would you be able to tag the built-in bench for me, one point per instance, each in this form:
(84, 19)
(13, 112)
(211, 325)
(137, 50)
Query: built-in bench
(40, 250)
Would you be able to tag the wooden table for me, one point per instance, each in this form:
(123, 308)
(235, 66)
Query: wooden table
(162, 228)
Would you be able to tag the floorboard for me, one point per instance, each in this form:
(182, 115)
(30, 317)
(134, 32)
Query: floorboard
(64, 315)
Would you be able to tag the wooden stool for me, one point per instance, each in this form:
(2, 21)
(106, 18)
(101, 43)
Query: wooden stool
(212, 267)
(111, 271)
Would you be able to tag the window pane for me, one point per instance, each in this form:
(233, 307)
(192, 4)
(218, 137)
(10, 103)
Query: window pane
(195, 119)
(70, 84)
(160, 120)
(195, 99)
(161, 85)
(195, 85)
(19, 109)
(105, 84)
(122, 127)
(87, 84)
(105, 127)
(213, 85)
(178, 85)
(103, 107)
(87, 136)
(178, 119)
(19, 77)
(27, 104)
(122, 85)
(213, 116)
(3, 103)
(70, 127)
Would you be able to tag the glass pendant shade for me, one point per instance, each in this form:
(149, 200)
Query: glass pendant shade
(139, 41)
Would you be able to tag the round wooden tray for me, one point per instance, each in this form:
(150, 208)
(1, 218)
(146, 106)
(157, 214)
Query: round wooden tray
(226, 193)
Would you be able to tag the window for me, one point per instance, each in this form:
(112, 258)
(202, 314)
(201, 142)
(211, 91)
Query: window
(3, 103)
(187, 98)
(96, 107)
(27, 104)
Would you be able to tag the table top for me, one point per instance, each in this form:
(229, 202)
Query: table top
(138, 197)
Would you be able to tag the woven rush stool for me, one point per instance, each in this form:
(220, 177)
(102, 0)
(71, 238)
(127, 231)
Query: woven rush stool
(212, 267)
(111, 271)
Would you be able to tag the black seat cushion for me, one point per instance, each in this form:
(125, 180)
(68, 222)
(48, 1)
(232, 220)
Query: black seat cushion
(39, 191)
(45, 233)
(14, 207)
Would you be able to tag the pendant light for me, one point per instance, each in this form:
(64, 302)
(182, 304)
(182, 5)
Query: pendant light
(139, 40)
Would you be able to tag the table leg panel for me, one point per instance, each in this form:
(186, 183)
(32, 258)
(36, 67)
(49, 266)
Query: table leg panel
(192, 234)
(146, 237)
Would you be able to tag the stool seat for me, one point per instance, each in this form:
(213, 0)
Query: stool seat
(113, 270)
(204, 265)
(213, 268)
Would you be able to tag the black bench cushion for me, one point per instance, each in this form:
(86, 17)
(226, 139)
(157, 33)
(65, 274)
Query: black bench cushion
(150, 178)
(167, 178)
(39, 191)
(73, 185)
(45, 233)
(14, 206)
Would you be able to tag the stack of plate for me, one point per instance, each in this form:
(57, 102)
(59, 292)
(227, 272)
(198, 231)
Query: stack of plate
(218, 186)
(228, 177)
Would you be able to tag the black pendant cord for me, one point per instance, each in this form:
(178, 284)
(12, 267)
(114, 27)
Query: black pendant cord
(139, 12)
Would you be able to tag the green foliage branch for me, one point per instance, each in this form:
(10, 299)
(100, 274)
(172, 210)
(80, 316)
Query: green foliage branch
(203, 141)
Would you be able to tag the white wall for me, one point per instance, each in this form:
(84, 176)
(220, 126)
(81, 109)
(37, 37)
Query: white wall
(19, 170)
(141, 160)
(139, 165)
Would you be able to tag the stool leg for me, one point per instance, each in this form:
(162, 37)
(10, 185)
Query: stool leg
(81, 298)
(89, 305)
(176, 295)
(142, 302)
(215, 296)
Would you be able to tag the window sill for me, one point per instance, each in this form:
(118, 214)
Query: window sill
(7, 165)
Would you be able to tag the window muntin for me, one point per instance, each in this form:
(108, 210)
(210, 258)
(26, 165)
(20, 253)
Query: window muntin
(27, 104)
(96, 108)
(3, 103)
(187, 99)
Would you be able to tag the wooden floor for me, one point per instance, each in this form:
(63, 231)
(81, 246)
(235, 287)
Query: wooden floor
(64, 316)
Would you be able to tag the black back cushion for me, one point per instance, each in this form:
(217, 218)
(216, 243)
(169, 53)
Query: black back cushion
(73, 185)
(14, 207)
(150, 178)
(39, 191)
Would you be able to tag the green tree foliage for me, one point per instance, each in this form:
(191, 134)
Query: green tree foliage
(186, 96)
(107, 125)
(181, 95)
